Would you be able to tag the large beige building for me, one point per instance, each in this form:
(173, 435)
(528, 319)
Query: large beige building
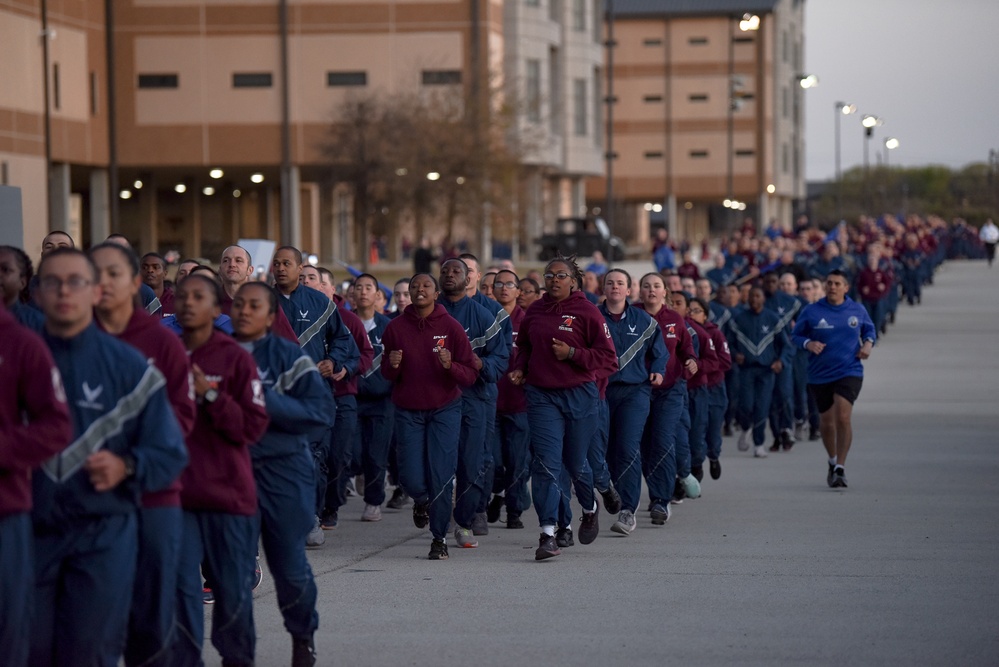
(209, 124)
(708, 109)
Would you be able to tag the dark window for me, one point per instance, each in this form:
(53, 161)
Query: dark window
(653, 155)
(698, 154)
(655, 41)
(336, 79)
(55, 86)
(698, 98)
(93, 93)
(653, 98)
(441, 77)
(697, 41)
(158, 81)
(747, 152)
(742, 40)
(252, 80)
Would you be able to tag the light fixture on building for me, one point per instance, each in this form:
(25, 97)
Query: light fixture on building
(208, 190)
(313, 260)
(727, 203)
(401, 171)
(216, 173)
(688, 205)
(137, 185)
(257, 178)
(648, 206)
(846, 109)
(460, 180)
(749, 22)
(807, 81)
(180, 188)
(657, 208)
(742, 206)
(433, 176)
(236, 193)
(125, 194)
(771, 189)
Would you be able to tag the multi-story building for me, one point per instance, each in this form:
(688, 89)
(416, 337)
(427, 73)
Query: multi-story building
(707, 115)
(210, 122)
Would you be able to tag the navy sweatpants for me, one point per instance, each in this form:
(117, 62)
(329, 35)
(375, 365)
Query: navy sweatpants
(340, 463)
(597, 454)
(629, 406)
(227, 544)
(717, 406)
(151, 621)
(515, 441)
(782, 403)
(17, 588)
(83, 589)
(427, 452)
(374, 433)
(659, 456)
(492, 461)
(756, 388)
(285, 496)
(472, 445)
(683, 438)
(799, 372)
(561, 423)
(697, 399)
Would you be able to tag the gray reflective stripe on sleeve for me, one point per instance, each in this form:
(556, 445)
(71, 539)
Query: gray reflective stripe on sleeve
(287, 380)
(636, 347)
(376, 364)
(756, 349)
(154, 305)
(493, 329)
(317, 326)
(784, 321)
(64, 465)
(723, 320)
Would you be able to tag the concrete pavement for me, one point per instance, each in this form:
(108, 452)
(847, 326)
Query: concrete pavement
(769, 566)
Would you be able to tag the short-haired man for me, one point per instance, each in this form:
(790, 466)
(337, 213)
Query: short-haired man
(153, 271)
(235, 269)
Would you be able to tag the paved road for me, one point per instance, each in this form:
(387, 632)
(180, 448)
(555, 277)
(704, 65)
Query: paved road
(769, 566)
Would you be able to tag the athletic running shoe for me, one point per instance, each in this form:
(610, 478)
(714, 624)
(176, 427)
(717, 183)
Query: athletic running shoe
(398, 499)
(372, 513)
(714, 467)
(329, 521)
(776, 446)
(563, 537)
(679, 493)
(316, 537)
(839, 478)
(589, 527)
(547, 547)
(831, 475)
(464, 538)
(207, 596)
(691, 487)
(438, 550)
(258, 574)
(660, 514)
(697, 472)
(727, 430)
(760, 452)
(495, 506)
(303, 652)
(813, 434)
(351, 489)
(513, 520)
(480, 526)
(625, 523)
(612, 500)
(421, 515)
(744, 441)
(786, 439)
(799, 429)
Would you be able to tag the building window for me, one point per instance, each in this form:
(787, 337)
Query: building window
(783, 158)
(700, 97)
(56, 101)
(784, 46)
(698, 155)
(252, 80)
(598, 108)
(555, 10)
(653, 155)
(94, 92)
(785, 102)
(653, 98)
(158, 81)
(652, 41)
(579, 15)
(343, 79)
(580, 105)
(745, 152)
(742, 40)
(533, 92)
(697, 41)
(441, 77)
(532, 3)
(554, 92)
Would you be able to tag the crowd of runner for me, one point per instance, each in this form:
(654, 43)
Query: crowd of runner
(155, 432)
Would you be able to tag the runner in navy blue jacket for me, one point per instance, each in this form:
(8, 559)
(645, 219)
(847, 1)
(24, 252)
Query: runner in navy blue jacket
(429, 360)
(839, 335)
(34, 425)
(563, 346)
(762, 350)
(15, 275)
(782, 406)
(85, 498)
(492, 356)
(641, 364)
(298, 402)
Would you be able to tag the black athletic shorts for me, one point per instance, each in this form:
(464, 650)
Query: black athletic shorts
(847, 387)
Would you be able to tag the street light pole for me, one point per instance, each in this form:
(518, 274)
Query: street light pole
(869, 122)
(841, 109)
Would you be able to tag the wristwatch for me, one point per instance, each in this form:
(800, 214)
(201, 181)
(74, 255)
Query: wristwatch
(211, 395)
(129, 465)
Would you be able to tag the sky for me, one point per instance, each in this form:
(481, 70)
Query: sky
(928, 68)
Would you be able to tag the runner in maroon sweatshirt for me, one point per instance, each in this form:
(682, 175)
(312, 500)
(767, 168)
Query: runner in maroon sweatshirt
(154, 596)
(219, 495)
(428, 359)
(715, 384)
(563, 346)
(34, 425)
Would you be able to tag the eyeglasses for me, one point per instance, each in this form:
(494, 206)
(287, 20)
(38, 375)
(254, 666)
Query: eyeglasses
(74, 283)
(509, 285)
(695, 311)
(561, 275)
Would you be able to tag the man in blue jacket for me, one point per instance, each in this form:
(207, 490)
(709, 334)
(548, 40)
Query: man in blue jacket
(782, 406)
(839, 335)
(127, 442)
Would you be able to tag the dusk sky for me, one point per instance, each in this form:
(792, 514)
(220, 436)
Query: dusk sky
(928, 68)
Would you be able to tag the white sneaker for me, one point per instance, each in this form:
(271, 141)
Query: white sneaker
(316, 537)
(691, 486)
(760, 452)
(625, 523)
(744, 441)
(799, 430)
(372, 513)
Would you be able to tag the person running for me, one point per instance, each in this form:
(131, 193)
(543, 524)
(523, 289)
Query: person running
(235, 270)
(127, 442)
(15, 276)
(219, 495)
(530, 291)
(298, 402)
(151, 620)
(562, 347)
(717, 399)
(153, 270)
(641, 360)
(839, 334)
(782, 405)
(34, 426)
(659, 457)
(429, 361)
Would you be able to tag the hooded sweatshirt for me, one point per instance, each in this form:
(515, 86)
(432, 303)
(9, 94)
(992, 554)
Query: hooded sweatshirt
(421, 382)
(511, 399)
(679, 345)
(348, 385)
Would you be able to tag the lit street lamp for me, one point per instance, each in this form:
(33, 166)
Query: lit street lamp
(869, 122)
(891, 143)
(841, 109)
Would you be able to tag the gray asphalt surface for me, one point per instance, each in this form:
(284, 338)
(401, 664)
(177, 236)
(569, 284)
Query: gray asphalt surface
(769, 567)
